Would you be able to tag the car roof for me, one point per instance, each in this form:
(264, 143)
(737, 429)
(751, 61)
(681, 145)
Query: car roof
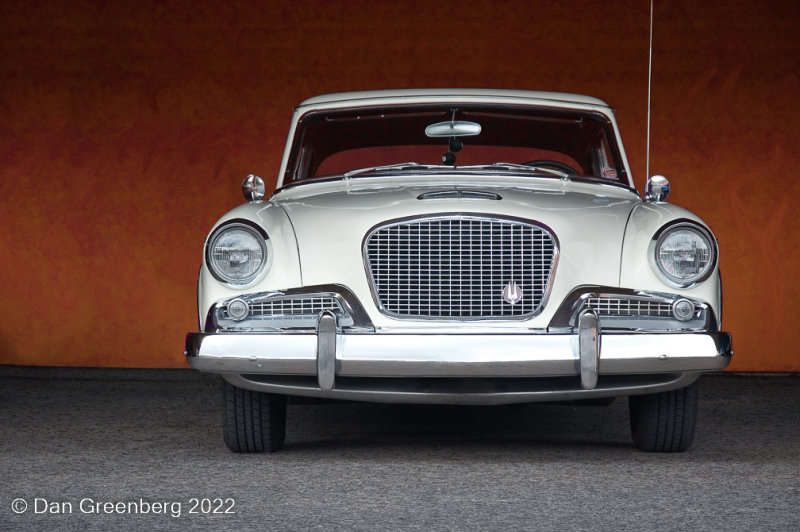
(396, 96)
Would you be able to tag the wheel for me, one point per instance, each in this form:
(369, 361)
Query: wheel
(547, 163)
(252, 422)
(664, 422)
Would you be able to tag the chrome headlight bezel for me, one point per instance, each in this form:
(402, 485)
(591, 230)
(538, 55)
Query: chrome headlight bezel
(260, 238)
(661, 237)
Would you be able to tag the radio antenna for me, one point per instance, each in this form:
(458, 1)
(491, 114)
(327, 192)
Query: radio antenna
(649, 83)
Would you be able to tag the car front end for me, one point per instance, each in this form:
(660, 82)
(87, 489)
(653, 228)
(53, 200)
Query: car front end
(486, 282)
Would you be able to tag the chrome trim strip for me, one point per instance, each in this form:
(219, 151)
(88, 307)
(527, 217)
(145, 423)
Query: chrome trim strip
(461, 216)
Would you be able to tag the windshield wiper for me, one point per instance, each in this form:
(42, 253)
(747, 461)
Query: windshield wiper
(537, 169)
(411, 165)
(397, 166)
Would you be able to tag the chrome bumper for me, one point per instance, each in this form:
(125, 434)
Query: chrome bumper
(434, 355)
(337, 361)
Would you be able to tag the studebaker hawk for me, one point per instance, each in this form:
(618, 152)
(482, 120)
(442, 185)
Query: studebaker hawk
(458, 247)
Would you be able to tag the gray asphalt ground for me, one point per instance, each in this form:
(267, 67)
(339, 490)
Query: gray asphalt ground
(71, 439)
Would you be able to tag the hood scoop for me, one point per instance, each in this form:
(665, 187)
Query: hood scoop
(459, 194)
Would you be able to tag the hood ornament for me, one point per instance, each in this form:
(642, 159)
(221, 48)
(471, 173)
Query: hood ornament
(512, 293)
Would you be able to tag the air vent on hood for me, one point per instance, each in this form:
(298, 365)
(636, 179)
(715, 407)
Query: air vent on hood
(459, 194)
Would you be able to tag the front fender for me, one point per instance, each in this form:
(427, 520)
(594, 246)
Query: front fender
(637, 267)
(283, 266)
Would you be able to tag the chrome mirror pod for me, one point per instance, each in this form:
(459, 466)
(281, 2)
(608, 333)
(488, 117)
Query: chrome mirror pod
(253, 188)
(656, 189)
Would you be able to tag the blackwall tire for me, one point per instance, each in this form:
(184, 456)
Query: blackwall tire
(664, 422)
(252, 422)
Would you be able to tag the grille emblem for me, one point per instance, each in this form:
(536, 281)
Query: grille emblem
(512, 293)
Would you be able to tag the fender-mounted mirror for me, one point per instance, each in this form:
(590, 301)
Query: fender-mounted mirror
(253, 188)
(656, 189)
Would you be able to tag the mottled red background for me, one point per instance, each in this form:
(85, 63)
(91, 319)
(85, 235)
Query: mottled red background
(127, 127)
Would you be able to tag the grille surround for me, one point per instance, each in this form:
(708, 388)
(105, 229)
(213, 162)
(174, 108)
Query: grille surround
(484, 302)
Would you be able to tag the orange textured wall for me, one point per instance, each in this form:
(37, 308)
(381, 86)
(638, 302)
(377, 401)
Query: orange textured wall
(127, 127)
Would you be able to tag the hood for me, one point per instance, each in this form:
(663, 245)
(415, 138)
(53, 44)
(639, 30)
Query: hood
(331, 219)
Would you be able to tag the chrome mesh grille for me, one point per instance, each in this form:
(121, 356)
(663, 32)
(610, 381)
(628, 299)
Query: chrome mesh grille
(609, 306)
(291, 306)
(458, 267)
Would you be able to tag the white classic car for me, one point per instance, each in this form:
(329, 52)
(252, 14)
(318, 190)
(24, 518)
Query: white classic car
(458, 247)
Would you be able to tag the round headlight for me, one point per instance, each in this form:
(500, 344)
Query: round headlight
(685, 254)
(236, 254)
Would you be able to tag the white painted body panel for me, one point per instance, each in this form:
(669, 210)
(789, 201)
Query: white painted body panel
(589, 228)
(317, 231)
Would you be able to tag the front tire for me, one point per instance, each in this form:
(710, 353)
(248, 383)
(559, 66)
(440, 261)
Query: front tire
(664, 422)
(252, 422)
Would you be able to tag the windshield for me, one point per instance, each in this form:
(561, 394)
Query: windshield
(530, 140)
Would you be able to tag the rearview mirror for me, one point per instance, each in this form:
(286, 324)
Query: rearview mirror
(458, 128)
